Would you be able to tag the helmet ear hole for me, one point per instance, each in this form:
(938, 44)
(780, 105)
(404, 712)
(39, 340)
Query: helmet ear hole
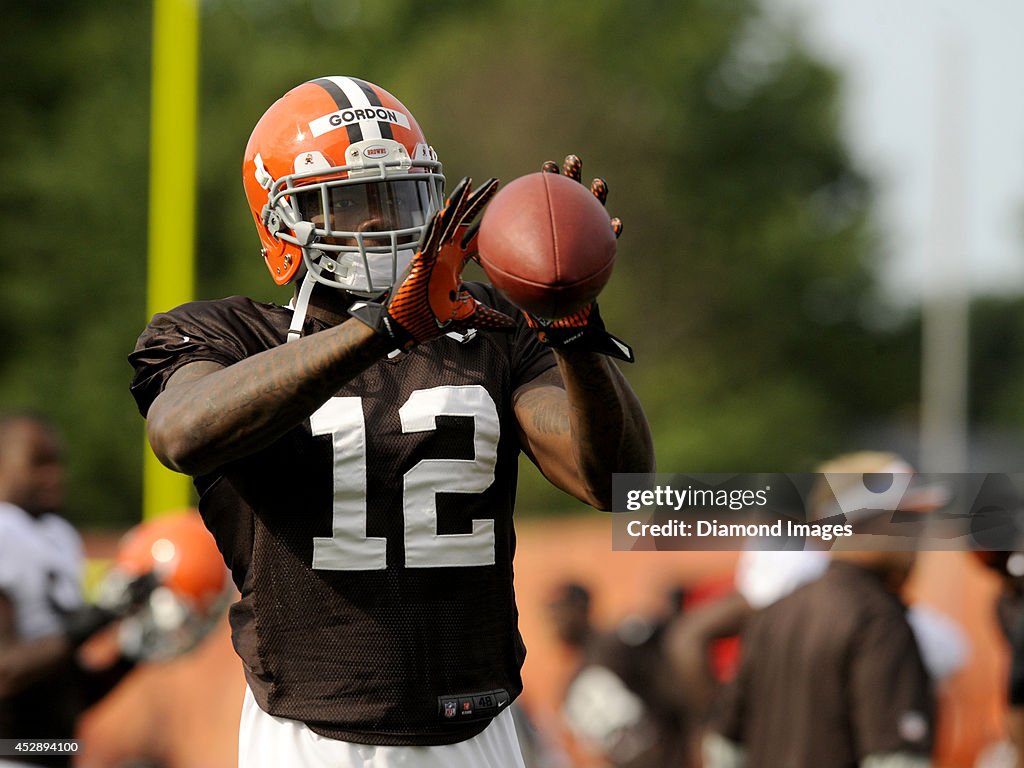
(304, 232)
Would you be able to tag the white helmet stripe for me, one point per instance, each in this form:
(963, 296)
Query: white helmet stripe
(355, 94)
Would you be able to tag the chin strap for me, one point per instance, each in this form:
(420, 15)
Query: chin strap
(300, 307)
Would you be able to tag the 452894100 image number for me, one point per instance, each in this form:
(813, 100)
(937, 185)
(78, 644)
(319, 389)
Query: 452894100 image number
(17, 747)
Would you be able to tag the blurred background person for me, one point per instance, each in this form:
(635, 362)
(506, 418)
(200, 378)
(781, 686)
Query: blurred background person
(44, 687)
(619, 705)
(568, 610)
(764, 576)
(831, 675)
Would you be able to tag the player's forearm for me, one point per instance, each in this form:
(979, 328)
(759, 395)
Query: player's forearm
(207, 419)
(609, 431)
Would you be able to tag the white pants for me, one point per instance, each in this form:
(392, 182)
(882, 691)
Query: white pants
(265, 741)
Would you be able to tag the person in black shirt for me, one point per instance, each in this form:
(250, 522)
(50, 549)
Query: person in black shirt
(830, 674)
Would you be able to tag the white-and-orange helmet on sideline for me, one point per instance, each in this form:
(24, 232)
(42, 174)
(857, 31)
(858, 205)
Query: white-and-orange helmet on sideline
(341, 181)
(191, 585)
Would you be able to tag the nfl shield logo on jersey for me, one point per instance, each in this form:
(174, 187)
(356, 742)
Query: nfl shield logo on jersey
(449, 708)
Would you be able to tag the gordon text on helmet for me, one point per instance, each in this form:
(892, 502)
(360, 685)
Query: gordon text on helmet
(343, 117)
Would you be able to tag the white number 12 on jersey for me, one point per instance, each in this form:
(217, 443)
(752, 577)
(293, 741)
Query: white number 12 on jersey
(350, 549)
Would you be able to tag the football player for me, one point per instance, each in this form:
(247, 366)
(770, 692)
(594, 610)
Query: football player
(44, 686)
(356, 452)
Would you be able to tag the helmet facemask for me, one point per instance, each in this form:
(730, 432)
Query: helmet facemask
(359, 224)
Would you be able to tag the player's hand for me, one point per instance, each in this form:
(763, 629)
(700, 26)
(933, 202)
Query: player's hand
(572, 167)
(429, 299)
(584, 328)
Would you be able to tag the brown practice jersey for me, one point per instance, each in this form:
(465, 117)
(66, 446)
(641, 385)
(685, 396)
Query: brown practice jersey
(373, 544)
(831, 674)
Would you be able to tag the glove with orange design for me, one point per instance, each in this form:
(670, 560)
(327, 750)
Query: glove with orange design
(584, 328)
(429, 300)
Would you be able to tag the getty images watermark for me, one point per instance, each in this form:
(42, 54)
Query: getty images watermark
(789, 511)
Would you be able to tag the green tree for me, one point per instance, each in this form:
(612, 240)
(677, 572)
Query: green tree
(75, 120)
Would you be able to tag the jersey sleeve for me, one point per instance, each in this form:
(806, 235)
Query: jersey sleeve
(187, 334)
(530, 358)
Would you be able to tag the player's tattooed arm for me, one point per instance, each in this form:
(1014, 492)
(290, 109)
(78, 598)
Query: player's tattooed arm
(209, 415)
(581, 423)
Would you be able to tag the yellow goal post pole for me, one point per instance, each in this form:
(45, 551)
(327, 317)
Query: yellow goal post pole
(172, 201)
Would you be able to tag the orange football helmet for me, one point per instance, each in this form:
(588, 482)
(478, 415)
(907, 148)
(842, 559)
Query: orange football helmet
(191, 585)
(341, 181)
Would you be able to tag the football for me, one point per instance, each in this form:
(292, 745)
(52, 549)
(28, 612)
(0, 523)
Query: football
(547, 244)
